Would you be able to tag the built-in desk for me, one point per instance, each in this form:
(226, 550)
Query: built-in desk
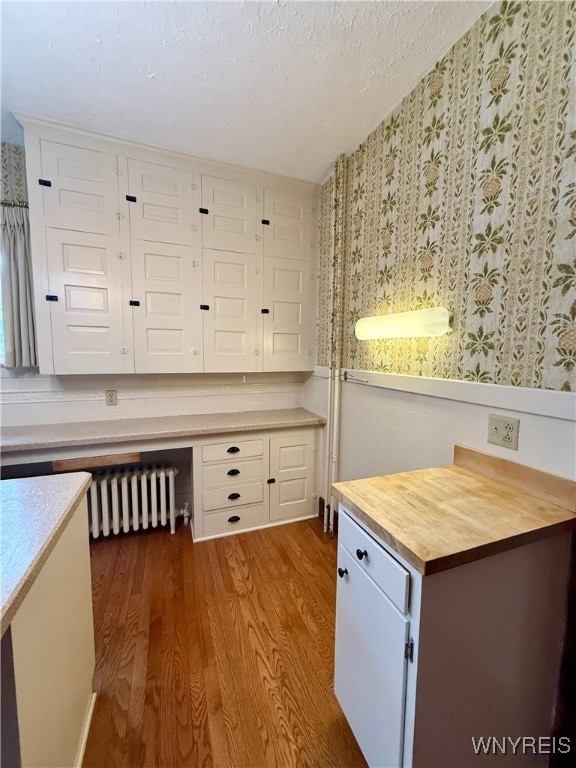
(267, 473)
(48, 442)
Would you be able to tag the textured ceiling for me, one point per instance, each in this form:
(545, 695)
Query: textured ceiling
(283, 87)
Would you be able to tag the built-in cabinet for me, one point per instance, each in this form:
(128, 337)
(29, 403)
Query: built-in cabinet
(251, 481)
(428, 666)
(151, 262)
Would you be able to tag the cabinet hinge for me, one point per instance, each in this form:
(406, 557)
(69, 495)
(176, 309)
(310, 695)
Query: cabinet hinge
(409, 649)
(44, 182)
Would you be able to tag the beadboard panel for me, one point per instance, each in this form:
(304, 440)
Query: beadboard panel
(53, 399)
(388, 428)
(385, 431)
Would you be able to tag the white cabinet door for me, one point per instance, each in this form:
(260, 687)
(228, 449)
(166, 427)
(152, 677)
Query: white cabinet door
(369, 664)
(232, 322)
(232, 213)
(288, 233)
(166, 281)
(84, 189)
(287, 331)
(86, 275)
(163, 209)
(292, 469)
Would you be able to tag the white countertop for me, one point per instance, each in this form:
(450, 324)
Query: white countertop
(33, 514)
(46, 436)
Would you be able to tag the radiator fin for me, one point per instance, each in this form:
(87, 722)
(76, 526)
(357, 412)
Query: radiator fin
(129, 498)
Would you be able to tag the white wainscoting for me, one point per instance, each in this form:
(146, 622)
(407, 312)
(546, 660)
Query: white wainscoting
(400, 423)
(35, 399)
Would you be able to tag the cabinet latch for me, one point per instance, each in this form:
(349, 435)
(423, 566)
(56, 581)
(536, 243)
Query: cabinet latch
(203, 210)
(51, 297)
(44, 182)
(266, 222)
(409, 649)
(131, 198)
(271, 480)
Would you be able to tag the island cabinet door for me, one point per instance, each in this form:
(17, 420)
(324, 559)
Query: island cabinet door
(370, 664)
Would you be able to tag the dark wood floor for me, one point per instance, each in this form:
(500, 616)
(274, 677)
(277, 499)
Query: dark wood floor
(218, 653)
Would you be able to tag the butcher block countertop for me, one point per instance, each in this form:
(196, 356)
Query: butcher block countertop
(46, 436)
(35, 512)
(443, 517)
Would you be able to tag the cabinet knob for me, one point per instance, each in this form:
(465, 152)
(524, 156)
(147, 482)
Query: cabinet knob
(233, 472)
(233, 496)
(233, 519)
(342, 572)
(233, 449)
(361, 553)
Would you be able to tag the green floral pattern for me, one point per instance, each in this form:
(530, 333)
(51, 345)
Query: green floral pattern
(465, 197)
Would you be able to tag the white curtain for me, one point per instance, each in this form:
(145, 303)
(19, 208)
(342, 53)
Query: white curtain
(17, 305)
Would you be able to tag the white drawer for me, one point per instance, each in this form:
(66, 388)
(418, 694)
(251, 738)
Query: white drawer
(232, 496)
(234, 520)
(232, 472)
(239, 449)
(387, 573)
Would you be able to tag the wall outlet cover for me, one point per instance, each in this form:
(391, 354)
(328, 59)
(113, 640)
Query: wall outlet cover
(503, 431)
(111, 397)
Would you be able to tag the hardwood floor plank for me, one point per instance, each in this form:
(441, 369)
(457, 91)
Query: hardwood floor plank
(217, 654)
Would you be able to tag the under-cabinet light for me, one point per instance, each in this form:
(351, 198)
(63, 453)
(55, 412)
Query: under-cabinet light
(434, 321)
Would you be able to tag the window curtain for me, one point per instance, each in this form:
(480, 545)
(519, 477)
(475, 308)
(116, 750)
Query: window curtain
(16, 276)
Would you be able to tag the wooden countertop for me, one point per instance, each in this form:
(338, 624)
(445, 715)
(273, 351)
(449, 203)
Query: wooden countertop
(46, 436)
(35, 512)
(442, 517)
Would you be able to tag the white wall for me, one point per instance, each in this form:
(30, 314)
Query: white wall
(35, 399)
(393, 429)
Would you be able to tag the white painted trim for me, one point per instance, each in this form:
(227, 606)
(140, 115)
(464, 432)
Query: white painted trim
(85, 731)
(542, 402)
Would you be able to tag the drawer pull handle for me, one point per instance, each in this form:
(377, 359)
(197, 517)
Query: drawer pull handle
(342, 572)
(233, 472)
(233, 519)
(233, 449)
(234, 496)
(361, 553)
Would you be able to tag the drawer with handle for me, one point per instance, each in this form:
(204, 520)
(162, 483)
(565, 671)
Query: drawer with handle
(230, 521)
(233, 472)
(233, 495)
(238, 449)
(386, 572)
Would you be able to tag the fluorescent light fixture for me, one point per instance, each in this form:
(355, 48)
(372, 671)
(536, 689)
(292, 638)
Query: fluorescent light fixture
(435, 321)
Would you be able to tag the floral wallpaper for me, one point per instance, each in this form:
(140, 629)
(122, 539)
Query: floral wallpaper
(465, 196)
(13, 163)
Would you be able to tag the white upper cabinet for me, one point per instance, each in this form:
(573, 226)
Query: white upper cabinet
(166, 291)
(289, 225)
(232, 315)
(161, 203)
(287, 323)
(80, 188)
(156, 262)
(230, 211)
(84, 295)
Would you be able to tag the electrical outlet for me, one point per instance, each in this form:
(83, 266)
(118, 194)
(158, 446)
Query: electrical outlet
(111, 397)
(503, 430)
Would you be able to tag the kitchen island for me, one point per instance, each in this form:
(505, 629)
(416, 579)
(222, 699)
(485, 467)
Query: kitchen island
(450, 613)
(46, 620)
